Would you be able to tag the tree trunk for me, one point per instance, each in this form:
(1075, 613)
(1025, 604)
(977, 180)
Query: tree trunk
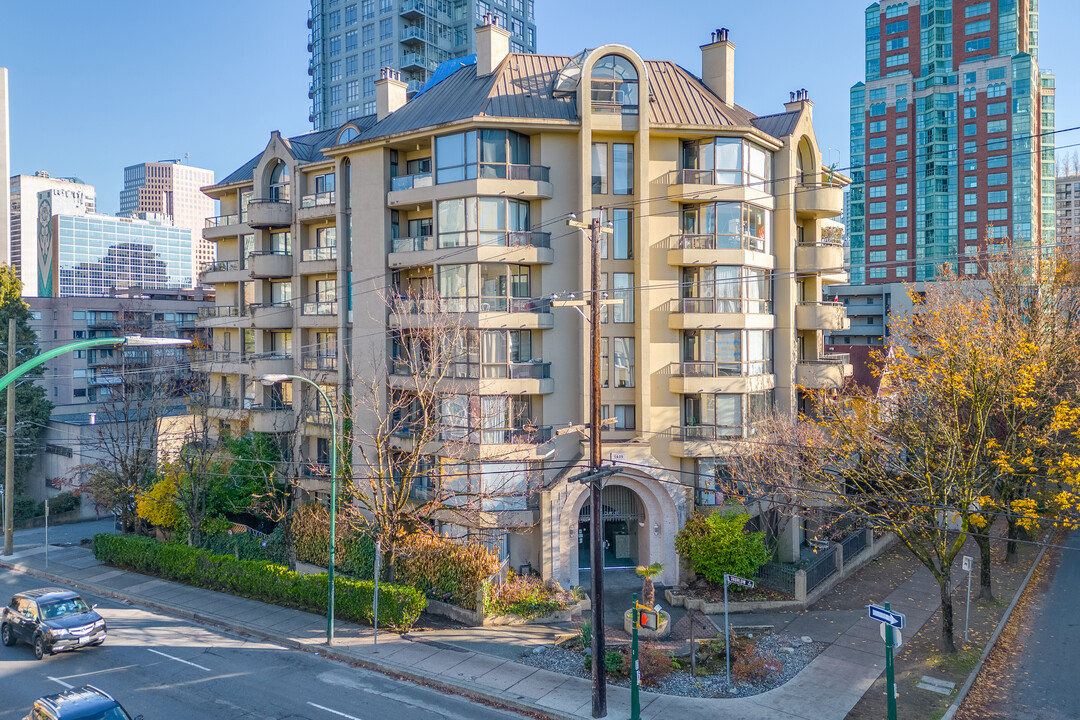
(1012, 532)
(945, 584)
(986, 591)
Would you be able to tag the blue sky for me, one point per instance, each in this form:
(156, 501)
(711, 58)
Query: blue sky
(99, 85)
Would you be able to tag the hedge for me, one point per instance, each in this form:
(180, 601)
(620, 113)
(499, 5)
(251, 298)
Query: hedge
(399, 606)
(354, 551)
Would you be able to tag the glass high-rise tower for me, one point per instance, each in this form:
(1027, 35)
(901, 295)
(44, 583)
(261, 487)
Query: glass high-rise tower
(352, 40)
(952, 145)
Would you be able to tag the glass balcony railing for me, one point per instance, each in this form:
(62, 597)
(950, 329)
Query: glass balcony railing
(717, 241)
(716, 369)
(326, 307)
(319, 361)
(220, 266)
(712, 305)
(319, 253)
(414, 306)
(707, 433)
(317, 199)
(490, 238)
(222, 221)
(220, 311)
(530, 370)
(408, 182)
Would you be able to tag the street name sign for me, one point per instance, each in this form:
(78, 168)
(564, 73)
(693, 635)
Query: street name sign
(736, 580)
(889, 617)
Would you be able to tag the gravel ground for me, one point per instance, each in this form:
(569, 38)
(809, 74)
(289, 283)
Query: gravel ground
(572, 662)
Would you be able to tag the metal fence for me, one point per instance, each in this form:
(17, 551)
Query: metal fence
(853, 544)
(778, 577)
(820, 569)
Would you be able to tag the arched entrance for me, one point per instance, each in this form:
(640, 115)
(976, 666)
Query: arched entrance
(622, 515)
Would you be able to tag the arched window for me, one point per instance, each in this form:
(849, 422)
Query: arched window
(804, 163)
(279, 183)
(614, 85)
(348, 135)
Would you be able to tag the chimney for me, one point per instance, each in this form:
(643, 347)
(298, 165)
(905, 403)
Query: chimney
(389, 93)
(492, 45)
(800, 100)
(718, 65)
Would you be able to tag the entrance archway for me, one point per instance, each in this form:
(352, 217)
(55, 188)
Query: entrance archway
(622, 515)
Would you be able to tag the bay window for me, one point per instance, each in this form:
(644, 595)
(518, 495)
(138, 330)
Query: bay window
(727, 161)
(718, 353)
(484, 154)
(481, 221)
(726, 226)
(483, 287)
(726, 289)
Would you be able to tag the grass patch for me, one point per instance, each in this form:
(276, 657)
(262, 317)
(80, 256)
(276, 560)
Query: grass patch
(963, 661)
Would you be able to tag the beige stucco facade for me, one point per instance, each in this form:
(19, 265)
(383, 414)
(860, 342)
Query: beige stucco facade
(722, 274)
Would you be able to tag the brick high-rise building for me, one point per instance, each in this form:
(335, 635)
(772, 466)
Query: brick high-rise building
(951, 137)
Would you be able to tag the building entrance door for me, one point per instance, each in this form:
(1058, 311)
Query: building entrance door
(621, 513)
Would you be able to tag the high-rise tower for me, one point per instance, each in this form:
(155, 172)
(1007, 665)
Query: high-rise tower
(351, 41)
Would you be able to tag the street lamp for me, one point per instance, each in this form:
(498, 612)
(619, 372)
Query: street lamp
(14, 373)
(273, 379)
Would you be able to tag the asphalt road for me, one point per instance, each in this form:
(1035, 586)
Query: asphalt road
(1045, 681)
(167, 668)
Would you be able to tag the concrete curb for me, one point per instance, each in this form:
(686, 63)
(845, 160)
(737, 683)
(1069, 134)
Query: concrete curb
(966, 687)
(463, 688)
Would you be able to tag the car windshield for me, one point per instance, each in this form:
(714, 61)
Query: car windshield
(115, 713)
(62, 608)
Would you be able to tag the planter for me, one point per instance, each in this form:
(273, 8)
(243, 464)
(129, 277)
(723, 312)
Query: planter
(472, 618)
(661, 632)
(559, 616)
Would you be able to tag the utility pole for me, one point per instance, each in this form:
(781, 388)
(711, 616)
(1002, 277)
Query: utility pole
(9, 450)
(595, 474)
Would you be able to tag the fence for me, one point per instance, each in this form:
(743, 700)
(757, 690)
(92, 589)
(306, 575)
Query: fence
(820, 569)
(853, 544)
(778, 577)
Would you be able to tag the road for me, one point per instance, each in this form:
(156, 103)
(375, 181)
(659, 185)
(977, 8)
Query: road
(167, 668)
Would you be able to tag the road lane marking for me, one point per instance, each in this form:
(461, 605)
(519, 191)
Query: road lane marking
(336, 712)
(60, 682)
(172, 657)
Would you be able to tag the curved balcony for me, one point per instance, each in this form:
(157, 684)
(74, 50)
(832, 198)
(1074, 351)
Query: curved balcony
(222, 226)
(719, 313)
(821, 256)
(820, 200)
(266, 213)
(829, 316)
(270, 264)
(223, 271)
(691, 378)
(826, 373)
(513, 247)
(271, 316)
(705, 186)
(525, 182)
(272, 363)
(686, 249)
(473, 312)
(276, 418)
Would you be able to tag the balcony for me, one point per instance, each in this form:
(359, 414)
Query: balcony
(706, 186)
(526, 182)
(519, 378)
(484, 313)
(416, 61)
(320, 314)
(270, 264)
(818, 201)
(317, 206)
(691, 378)
(511, 443)
(713, 249)
(319, 260)
(820, 256)
(267, 213)
(218, 407)
(412, 9)
(222, 226)
(513, 247)
(413, 86)
(826, 373)
(216, 361)
(276, 418)
(220, 316)
(690, 441)
(720, 313)
(828, 316)
(272, 363)
(412, 35)
(222, 271)
(271, 316)
(319, 362)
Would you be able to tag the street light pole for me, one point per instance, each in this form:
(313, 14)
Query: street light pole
(15, 373)
(274, 379)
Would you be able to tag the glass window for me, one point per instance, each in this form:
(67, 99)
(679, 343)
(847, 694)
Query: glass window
(622, 175)
(614, 85)
(623, 289)
(623, 362)
(455, 157)
(599, 168)
(622, 240)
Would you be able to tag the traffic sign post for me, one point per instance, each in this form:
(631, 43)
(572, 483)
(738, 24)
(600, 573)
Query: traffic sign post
(967, 564)
(635, 674)
(891, 622)
(375, 600)
(729, 579)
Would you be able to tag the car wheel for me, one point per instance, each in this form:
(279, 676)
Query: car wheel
(39, 647)
(6, 635)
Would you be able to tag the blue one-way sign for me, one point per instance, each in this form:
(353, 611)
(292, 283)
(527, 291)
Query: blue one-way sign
(888, 617)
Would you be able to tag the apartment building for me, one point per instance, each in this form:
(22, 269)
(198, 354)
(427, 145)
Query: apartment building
(172, 188)
(454, 204)
(951, 137)
(350, 41)
(1068, 210)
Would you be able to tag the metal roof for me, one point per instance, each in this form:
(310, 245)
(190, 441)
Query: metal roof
(778, 125)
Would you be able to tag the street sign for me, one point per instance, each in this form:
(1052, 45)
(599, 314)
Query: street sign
(886, 616)
(897, 638)
(736, 580)
(966, 563)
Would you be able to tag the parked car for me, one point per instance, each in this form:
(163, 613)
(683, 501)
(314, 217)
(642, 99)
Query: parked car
(51, 620)
(84, 703)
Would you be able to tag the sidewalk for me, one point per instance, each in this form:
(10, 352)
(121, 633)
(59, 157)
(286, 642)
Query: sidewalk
(826, 689)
